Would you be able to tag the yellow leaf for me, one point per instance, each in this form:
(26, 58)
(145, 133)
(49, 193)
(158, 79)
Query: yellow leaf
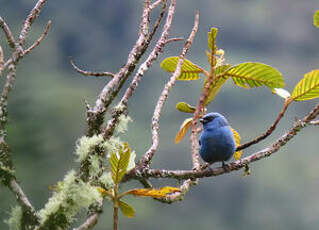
(184, 107)
(307, 88)
(183, 129)
(217, 83)
(119, 162)
(316, 19)
(155, 193)
(237, 154)
(126, 209)
(253, 74)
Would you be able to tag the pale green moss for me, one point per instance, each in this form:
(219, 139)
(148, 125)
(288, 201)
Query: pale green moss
(122, 124)
(85, 145)
(119, 107)
(112, 145)
(73, 195)
(15, 220)
(106, 180)
(94, 166)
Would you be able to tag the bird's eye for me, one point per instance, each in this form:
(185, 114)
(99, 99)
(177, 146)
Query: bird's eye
(209, 119)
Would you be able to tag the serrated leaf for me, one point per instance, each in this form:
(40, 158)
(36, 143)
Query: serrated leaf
(184, 107)
(212, 37)
(316, 19)
(114, 165)
(307, 88)
(217, 83)
(155, 193)
(119, 162)
(253, 74)
(126, 209)
(183, 130)
(237, 138)
(189, 70)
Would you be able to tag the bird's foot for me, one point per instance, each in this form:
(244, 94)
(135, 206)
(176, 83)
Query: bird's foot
(204, 166)
(225, 166)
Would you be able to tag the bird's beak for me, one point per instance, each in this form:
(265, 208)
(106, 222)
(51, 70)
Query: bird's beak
(201, 120)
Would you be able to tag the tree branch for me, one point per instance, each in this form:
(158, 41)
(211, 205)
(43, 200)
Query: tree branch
(156, 3)
(1, 61)
(39, 40)
(90, 73)
(4, 97)
(29, 216)
(314, 122)
(34, 13)
(8, 33)
(90, 222)
(145, 161)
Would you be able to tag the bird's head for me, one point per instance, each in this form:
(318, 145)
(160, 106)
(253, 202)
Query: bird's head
(213, 120)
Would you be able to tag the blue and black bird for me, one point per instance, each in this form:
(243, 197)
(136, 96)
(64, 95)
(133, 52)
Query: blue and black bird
(217, 141)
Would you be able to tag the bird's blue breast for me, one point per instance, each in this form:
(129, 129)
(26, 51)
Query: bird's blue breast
(217, 142)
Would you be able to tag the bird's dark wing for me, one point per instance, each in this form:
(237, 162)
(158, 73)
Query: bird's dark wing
(199, 143)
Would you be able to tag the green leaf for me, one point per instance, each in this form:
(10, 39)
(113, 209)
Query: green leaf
(316, 19)
(307, 88)
(126, 209)
(189, 71)
(217, 83)
(183, 130)
(119, 162)
(253, 74)
(184, 107)
(212, 37)
(114, 165)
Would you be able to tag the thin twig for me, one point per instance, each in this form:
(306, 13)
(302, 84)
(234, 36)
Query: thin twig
(34, 13)
(8, 33)
(90, 73)
(162, 99)
(39, 40)
(20, 196)
(314, 122)
(145, 18)
(156, 3)
(269, 131)
(1, 61)
(157, 23)
(90, 222)
(174, 40)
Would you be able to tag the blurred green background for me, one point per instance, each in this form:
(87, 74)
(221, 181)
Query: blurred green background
(47, 110)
